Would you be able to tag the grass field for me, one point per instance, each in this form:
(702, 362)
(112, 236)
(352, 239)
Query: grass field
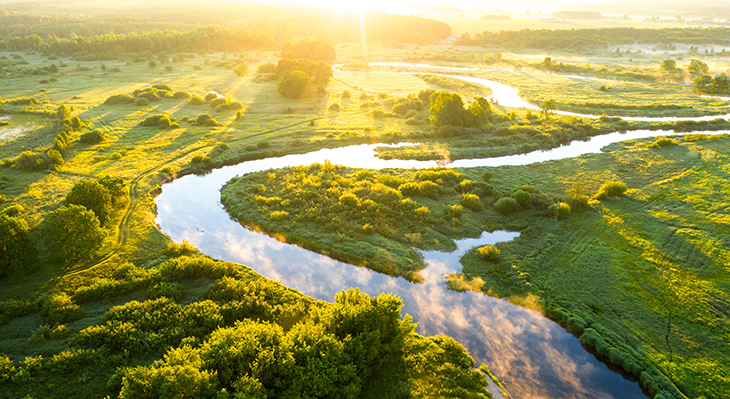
(643, 278)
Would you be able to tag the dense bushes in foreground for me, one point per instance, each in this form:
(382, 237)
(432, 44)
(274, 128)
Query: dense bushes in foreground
(244, 336)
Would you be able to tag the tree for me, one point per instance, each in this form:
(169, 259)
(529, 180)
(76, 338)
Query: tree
(668, 66)
(295, 85)
(63, 112)
(241, 70)
(17, 251)
(116, 185)
(94, 196)
(697, 67)
(548, 108)
(447, 109)
(72, 233)
(479, 112)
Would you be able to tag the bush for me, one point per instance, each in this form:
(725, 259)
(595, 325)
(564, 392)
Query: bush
(610, 189)
(206, 120)
(181, 95)
(472, 202)
(266, 68)
(561, 210)
(163, 121)
(174, 291)
(119, 99)
(174, 250)
(334, 107)
(490, 253)
(211, 96)
(662, 142)
(60, 309)
(506, 205)
(345, 94)
(93, 137)
(196, 100)
(169, 68)
(523, 198)
(142, 102)
(13, 210)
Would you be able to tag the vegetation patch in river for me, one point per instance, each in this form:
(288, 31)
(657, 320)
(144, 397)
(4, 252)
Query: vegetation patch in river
(373, 218)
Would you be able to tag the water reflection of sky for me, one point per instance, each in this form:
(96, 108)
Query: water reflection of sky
(534, 355)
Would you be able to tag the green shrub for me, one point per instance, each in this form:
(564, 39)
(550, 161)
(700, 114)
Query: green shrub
(72, 233)
(163, 121)
(60, 309)
(93, 137)
(206, 120)
(506, 205)
(490, 253)
(12, 211)
(560, 210)
(119, 99)
(174, 250)
(454, 210)
(142, 102)
(211, 96)
(196, 100)
(662, 142)
(181, 95)
(334, 107)
(92, 195)
(472, 202)
(610, 189)
(523, 198)
(174, 291)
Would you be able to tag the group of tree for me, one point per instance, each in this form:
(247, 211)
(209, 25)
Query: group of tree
(604, 37)
(709, 85)
(69, 234)
(447, 109)
(111, 46)
(304, 63)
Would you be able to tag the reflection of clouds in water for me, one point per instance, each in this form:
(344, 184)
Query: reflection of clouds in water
(537, 357)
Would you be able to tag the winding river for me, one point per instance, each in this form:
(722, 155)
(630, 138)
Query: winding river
(536, 357)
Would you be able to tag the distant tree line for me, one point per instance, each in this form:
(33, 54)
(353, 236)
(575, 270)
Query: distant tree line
(576, 38)
(111, 45)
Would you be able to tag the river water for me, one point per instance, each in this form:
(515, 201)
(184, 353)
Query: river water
(535, 356)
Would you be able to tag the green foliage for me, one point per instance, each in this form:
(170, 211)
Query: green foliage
(697, 67)
(472, 202)
(116, 186)
(295, 85)
(61, 309)
(506, 205)
(662, 142)
(365, 217)
(196, 100)
(266, 68)
(92, 195)
(560, 210)
(119, 99)
(181, 95)
(72, 233)
(163, 121)
(490, 253)
(174, 291)
(142, 102)
(93, 137)
(241, 69)
(18, 254)
(610, 189)
(708, 84)
(206, 120)
(174, 249)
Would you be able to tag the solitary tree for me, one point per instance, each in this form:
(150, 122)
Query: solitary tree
(548, 108)
(697, 67)
(241, 70)
(72, 233)
(668, 66)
